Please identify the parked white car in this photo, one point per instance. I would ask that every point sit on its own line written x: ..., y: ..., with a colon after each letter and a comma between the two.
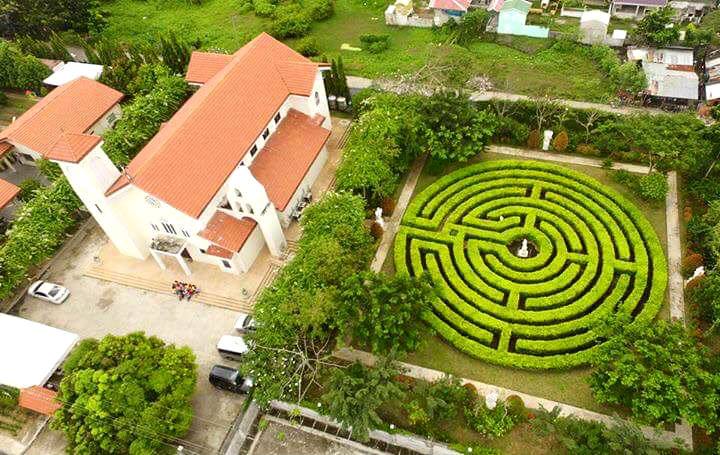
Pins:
x: 245, y: 323
x: 50, y: 292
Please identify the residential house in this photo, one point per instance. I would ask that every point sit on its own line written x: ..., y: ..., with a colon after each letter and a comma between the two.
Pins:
x: 225, y: 175
x: 513, y: 17
x: 712, y: 82
x: 405, y: 14
x: 670, y: 72
x: 691, y: 11
x: 68, y: 72
x: 450, y: 9
x: 634, y: 9
x: 593, y: 26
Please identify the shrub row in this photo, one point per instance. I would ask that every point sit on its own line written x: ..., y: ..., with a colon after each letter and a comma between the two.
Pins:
x: 39, y: 228
x: 19, y: 71
x: 598, y: 256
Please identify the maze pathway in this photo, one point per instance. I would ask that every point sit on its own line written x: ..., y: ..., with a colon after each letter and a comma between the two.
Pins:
x: 592, y: 255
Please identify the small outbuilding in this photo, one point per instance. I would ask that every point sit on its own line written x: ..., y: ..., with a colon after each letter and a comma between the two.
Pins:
x: 68, y: 72
x: 31, y: 352
x: 513, y: 17
x: 593, y: 26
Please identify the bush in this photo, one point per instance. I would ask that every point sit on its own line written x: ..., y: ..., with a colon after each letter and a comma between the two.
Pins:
x: 264, y: 8
x: 560, y: 142
x: 388, y: 206
x: 290, y: 21
x: 690, y: 263
x: 8, y: 396
x: 375, y: 43
x: 510, y: 131
x: 586, y: 149
x: 653, y: 187
x: 3, y: 99
x: 319, y: 10
x: 533, y: 140
x: 28, y: 188
x: 376, y: 230
x: 492, y: 423
x: 19, y: 71
x: 704, y: 297
x: 307, y: 46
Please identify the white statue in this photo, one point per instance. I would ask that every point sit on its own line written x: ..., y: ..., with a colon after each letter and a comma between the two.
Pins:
x: 547, y: 137
x: 491, y: 399
x: 523, y: 252
x: 379, y: 218
x: 700, y: 271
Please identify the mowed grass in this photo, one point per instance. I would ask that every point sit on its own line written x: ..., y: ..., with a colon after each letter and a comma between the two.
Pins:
x: 565, y: 386
x: 514, y: 64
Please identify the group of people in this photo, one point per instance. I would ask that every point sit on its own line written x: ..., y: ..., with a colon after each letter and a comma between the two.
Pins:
x: 184, y: 290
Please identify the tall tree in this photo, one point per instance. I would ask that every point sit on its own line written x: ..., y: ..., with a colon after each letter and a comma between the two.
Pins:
x: 126, y: 394
x: 658, y: 27
x: 39, y: 18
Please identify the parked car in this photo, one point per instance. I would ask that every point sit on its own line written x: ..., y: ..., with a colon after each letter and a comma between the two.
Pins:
x: 227, y: 378
x: 245, y: 323
x: 232, y: 347
x: 51, y: 292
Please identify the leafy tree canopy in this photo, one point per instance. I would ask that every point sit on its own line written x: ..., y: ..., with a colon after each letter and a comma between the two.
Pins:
x: 39, y: 18
x: 126, y: 394
x: 653, y: 28
x: 659, y: 372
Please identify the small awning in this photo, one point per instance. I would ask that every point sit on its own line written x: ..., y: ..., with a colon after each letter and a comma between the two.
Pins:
x: 39, y: 399
x: 228, y: 232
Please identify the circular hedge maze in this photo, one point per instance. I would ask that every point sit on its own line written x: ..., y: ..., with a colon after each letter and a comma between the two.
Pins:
x: 590, y: 254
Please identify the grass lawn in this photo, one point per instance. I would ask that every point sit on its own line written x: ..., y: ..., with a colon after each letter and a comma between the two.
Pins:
x: 515, y: 64
x: 567, y: 386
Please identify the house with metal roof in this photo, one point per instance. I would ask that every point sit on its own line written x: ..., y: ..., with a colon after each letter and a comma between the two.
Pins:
x: 512, y: 20
x: 223, y: 178
x: 634, y: 9
x: 670, y: 72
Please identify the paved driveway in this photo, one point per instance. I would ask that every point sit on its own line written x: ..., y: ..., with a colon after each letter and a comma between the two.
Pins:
x: 96, y: 308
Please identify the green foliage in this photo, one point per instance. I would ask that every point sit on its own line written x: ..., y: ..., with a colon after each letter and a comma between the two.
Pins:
x: 704, y: 298
x: 141, y: 118
x: 560, y: 142
x: 297, y: 314
x: 53, y: 49
x: 28, y: 188
x: 147, y: 78
x: 19, y: 71
x: 307, y: 46
x: 582, y: 437
x: 319, y: 10
x: 492, y: 423
x: 434, y: 404
x: 626, y: 76
x: 653, y: 187
x: 335, y: 79
x: 445, y: 232
x: 471, y: 27
x: 375, y: 43
x: 48, y: 169
x: 126, y: 394
x: 653, y: 30
x: 356, y: 392
x: 659, y: 372
x: 39, y: 19
x: 382, y: 312
x: 455, y: 130
x: 38, y: 229
x: 8, y: 396
x: 290, y: 21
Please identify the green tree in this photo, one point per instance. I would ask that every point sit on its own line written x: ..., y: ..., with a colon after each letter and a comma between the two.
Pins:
x: 39, y: 18
x: 385, y: 312
x: 704, y: 297
x: 653, y: 28
x: 659, y: 372
x: 471, y: 27
x: 455, y: 130
x: 126, y: 394
x: 355, y: 393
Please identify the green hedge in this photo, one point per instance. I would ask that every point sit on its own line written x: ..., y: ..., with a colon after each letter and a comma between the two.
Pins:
x: 598, y: 256
x: 19, y: 71
x: 38, y: 230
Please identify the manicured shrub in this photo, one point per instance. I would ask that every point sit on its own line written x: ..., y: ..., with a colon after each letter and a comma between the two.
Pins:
x: 376, y: 230
x: 586, y: 149
x: 690, y: 263
x: 533, y: 140
x: 28, y: 188
x: 319, y: 10
x: 290, y: 21
x: 560, y: 142
x: 591, y: 241
x: 307, y: 46
x: 264, y: 8
x: 375, y: 43
x: 388, y: 206
x: 653, y: 187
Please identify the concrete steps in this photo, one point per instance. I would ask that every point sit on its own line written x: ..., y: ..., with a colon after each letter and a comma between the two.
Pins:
x: 161, y: 287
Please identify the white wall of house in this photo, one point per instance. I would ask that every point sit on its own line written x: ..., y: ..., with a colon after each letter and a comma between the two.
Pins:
x: 89, y: 178
x: 250, y: 251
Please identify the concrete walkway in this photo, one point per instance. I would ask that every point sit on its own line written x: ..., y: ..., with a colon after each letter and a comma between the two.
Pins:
x: 665, y: 438
x: 676, y: 283
x: 562, y: 158
x: 392, y: 225
x: 356, y: 83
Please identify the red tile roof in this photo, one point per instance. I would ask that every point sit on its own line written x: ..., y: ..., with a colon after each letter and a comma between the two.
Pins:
x: 8, y: 192
x: 39, y: 399
x: 204, y: 65
x: 4, y: 148
x: 73, y: 147
x: 227, y: 231
x: 220, y: 252
x: 71, y: 108
x: 190, y: 159
x: 453, y: 5
x: 282, y: 164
